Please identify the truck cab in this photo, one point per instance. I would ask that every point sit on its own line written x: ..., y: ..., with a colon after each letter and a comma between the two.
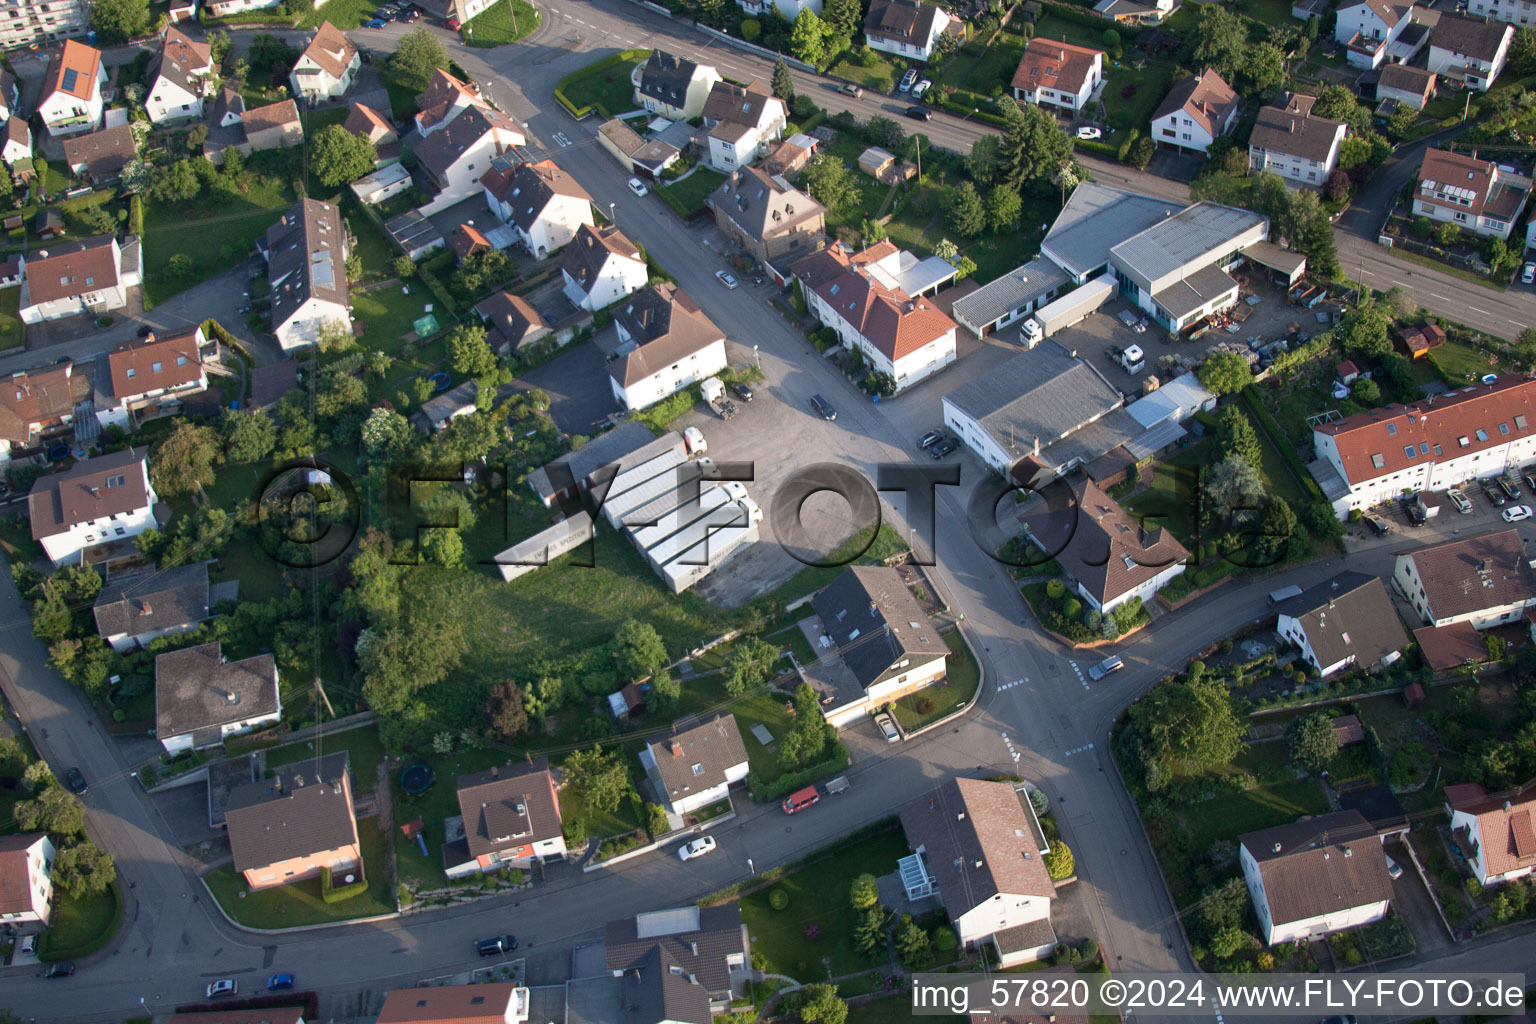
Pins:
x: 1133, y: 360
x: 1031, y: 333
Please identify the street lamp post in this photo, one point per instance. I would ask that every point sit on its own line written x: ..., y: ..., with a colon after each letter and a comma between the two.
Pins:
x: 757, y: 357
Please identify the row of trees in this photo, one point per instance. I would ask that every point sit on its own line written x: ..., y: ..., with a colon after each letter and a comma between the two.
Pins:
x: 81, y: 868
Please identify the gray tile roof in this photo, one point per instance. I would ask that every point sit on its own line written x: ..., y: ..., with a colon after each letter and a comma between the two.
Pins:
x: 1469, y: 575
x: 1096, y: 219
x: 196, y: 689
x: 1045, y: 393
x: 870, y: 614
x: 666, y: 77
x: 507, y: 806
x: 1320, y: 865
x: 1288, y: 126
x: 696, y: 939
x: 1348, y: 614
x: 136, y: 603
x: 1021, y: 285
x: 1477, y: 38
x: 653, y: 992
x: 666, y: 325
x: 304, y: 809
x: 1188, y: 236
x: 712, y: 748
x: 1192, y: 291
x: 306, y: 256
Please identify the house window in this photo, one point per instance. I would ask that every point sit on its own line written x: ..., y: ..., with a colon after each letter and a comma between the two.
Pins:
x: 698, y: 769
x: 1504, y: 429
x: 1391, y: 429
x: 130, y: 373
x: 156, y: 367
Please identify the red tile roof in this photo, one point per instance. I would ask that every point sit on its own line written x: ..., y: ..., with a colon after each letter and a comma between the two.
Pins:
x: 1055, y: 65
x: 1477, y: 417
x: 83, y: 60
x: 155, y: 362
x: 1206, y: 99
x: 1506, y: 824
x: 894, y: 322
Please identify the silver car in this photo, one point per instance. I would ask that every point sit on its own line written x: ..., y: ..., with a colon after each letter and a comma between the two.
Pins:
x: 887, y: 727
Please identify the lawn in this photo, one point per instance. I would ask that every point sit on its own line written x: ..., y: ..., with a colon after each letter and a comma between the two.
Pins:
x: 605, y: 87
x: 344, y: 14
x: 964, y: 676
x: 818, y: 894
x: 502, y: 23
x: 1272, y: 13
x: 1171, y: 498
x: 879, y: 75
x: 260, y: 576
x: 81, y: 926
x: 764, y: 708
x: 1458, y: 361
x: 1230, y: 815
x: 362, y: 744
x: 387, y: 315
x: 600, y: 823
x: 690, y: 191
x: 895, y: 1008
x: 1149, y: 80
x: 432, y: 807
x: 299, y: 905
x: 10, y: 319
x: 978, y: 73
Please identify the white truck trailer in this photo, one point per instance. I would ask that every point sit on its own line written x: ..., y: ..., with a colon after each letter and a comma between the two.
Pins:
x: 1067, y: 310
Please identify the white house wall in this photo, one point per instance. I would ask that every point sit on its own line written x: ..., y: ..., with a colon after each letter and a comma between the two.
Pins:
x: 690, y: 370
x: 1433, y: 473
x: 1005, y: 910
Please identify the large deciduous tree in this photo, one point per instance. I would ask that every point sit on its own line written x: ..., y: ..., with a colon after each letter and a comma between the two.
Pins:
x: 1310, y: 743
x: 638, y: 650
x: 337, y: 156
x: 416, y: 57
x: 117, y: 21
x: 830, y: 183
x: 183, y: 462
x: 598, y: 776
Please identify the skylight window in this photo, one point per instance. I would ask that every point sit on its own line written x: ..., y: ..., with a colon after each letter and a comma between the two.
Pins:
x: 1504, y: 429
x: 1378, y: 461
x: 1482, y: 435
x: 1423, y: 447
x: 1391, y: 429
x: 1408, y: 450
x: 1520, y: 421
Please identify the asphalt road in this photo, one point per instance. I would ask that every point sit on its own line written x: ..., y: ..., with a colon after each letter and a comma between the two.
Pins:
x: 1034, y: 704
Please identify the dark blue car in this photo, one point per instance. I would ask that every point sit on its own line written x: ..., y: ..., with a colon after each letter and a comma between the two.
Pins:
x: 375, y: 23
x: 281, y: 981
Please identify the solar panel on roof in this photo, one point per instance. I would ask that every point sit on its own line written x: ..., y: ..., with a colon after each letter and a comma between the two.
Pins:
x: 71, y: 76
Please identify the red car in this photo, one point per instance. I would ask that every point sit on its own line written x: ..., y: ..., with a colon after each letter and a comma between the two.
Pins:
x: 452, y: 23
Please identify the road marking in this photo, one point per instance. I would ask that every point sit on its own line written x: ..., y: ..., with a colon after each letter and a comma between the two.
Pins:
x: 1079, y: 750
x: 1476, y: 310
x: 1016, y: 682
x: 1442, y: 298
x: 1517, y: 323
x: 560, y: 138
x: 1011, y: 751
x: 1367, y: 273
x: 1079, y: 672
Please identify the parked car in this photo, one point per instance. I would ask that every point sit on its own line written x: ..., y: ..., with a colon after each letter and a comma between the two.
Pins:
x: 637, y: 187
x: 726, y: 279
x: 1528, y: 275
x: 1530, y: 481
x: 1508, y: 487
x: 908, y: 80
x: 887, y: 727
x: 384, y: 13
x: 29, y: 945
x: 945, y: 447
x: 76, y: 781
x: 800, y: 799
x: 1493, y: 493
x: 823, y: 407
x: 853, y: 90
x: 742, y: 391
x: 60, y: 969
x: 920, y: 88
x: 920, y: 113
x: 1413, y: 511
x: 1463, y: 505
x: 496, y: 945
x: 1105, y: 667
x: 1089, y: 132
x: 408, y: 15
x: 374, y: 23
x: 452, y: 24
x: 931, y: 438
x: 1377, y: 524
x: 281, y: 981
x: 1394, y: 869
x: 222, y: 987
x: 1519, y: 513
x: 697, y: 848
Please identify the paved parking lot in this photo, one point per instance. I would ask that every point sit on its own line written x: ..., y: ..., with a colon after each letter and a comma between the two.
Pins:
x: 576, y: 381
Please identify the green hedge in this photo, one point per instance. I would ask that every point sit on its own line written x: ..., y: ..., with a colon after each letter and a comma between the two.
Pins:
x: 336, y: 893
x: 623, y: 57
x: 1277, y: 437
x: 439, y: 291
x: 764, y: 792
x: 960, y: 106
x: 1104, y: 149
x: 136, y: 216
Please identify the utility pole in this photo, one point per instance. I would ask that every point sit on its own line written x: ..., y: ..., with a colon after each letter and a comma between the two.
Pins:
x: 320, y: 689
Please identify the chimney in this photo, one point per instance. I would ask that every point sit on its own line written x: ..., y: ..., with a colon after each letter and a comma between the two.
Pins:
x: 1507, y: 807
x: 976, y: 863
x: 677, y: 748
x: 694, y: 948
x: 1277, y: 848
x: 277, y: 783
x: 960, y: 816
x: 144, y: 607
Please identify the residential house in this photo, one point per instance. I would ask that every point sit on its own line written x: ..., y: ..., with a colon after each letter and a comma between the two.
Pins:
x: 1315, y: 876
x: 95, y: 501
x: 1367, y: 28
x: 511, y: 323
x: 1009, y: 298
x: 375, y: 127
x: 1105, y: 554
x: 39, y: 404
x: 576, y: 472
x: 455, y: 13
x: 1516, y: 12
x: 272, y: 126
x: 68, y: 278
x: 886, y: 646
x: 100, y: 156
x: 906, y: 28
x: 600, y: 267
x: 792, y: 155
x: 40, y: 22
x: 223, y: 8
x: 1196, y: 112
x: 1486, y: 580
x: 665, y: 344
x: 1058, y: 75
x: 1409, y: 86
x: 1478, y: 431
x: 436, y: 413
x: 266, y: 1015
x: 306, y: 254
x: 978, y: 848
x: 877, y: 305
x: 693, y: 769
x: 741, y: 122
x: 673, y: 87
x: 510, y: 816
x: 1287, y: 140
x: 18, y: 143
x: 495, y: 1002
x: 543, y: 205
x: 182, y: 76
x: 134, y: 608
x: 706, y: 945
x: 228, y: 108
x: 26, y: 880
x: 327, y: 67
x: 200, y: 698
x: 1472, y: 51
x: 1136, y: 12
x: 468, y: 242
x: 71, y: 99
x: 1496, y: 830
x: 295, y: 825
x: 153, y: 370
x: 767, y: 215
x: 1345, y: 622
x: 454, y: 157
x: 445, y: 99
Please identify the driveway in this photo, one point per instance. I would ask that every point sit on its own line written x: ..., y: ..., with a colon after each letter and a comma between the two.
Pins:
x: 1176, y: 166
x: 576, y: 381
x: 1414, y: 904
